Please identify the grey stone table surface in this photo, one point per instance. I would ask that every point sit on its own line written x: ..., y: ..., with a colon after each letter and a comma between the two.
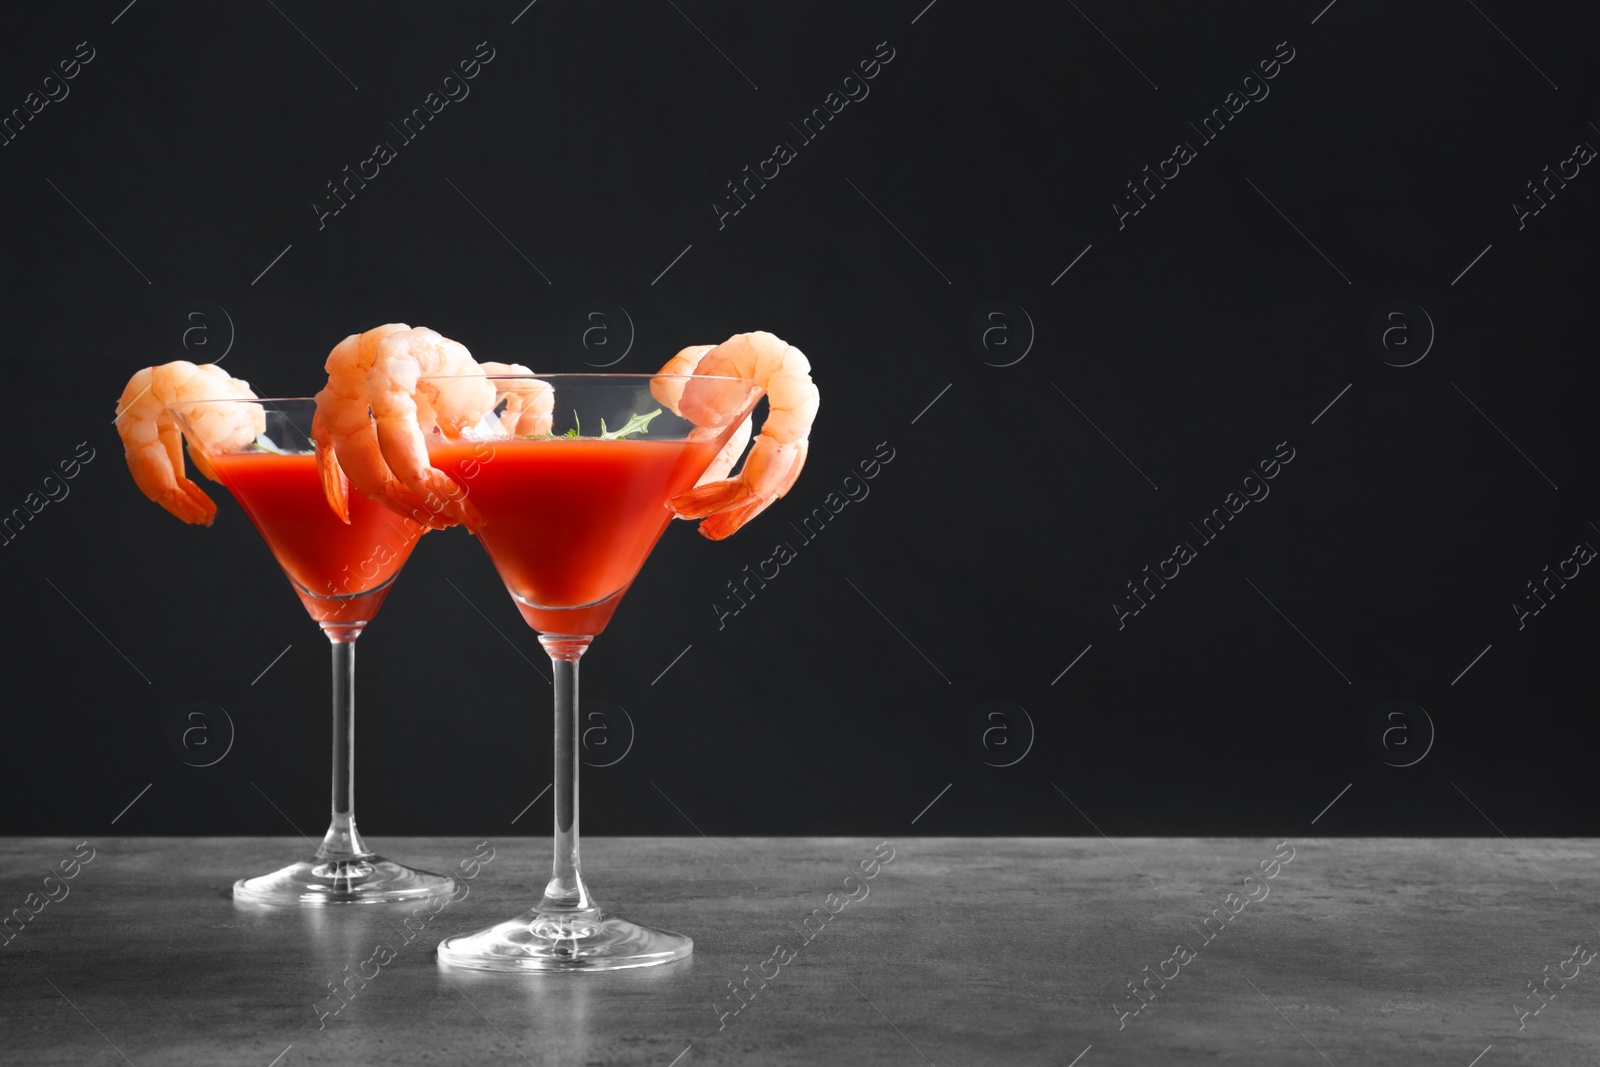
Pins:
x: 957, y: 951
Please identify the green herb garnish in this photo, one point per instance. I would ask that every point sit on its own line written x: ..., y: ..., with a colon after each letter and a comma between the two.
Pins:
x: 637, y: 424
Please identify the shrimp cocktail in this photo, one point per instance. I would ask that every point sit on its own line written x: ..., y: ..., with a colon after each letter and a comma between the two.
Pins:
x: 569, y: 480
x: 341, y: 567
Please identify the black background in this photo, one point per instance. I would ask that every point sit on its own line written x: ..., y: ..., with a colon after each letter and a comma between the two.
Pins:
x: 990, y: 550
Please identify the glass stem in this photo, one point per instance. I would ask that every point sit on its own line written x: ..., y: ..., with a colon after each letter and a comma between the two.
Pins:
x: 343, y: 841
x: 566, y: 891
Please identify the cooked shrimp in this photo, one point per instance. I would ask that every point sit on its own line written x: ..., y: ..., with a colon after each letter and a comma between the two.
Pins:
x: 530, y: 403
x: 151, y: 438
x: 404, y: 407
x: 669, y: 391
x: 779, y: 453
x: 345, y: 439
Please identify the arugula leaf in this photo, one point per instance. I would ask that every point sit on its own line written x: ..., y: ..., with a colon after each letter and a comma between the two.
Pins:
x: 637, y: 424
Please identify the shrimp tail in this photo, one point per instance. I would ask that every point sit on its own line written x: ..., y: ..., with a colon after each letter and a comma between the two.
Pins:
x: 335, y: 486
x: 769, y: 473
x: 184, y: 499
x: 708, y: 499
x: 723, y: 523
x: 196, y: 507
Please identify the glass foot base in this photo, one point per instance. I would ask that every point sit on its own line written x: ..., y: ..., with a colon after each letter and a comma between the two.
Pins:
x: 371, y: 880
x: 564, y: 941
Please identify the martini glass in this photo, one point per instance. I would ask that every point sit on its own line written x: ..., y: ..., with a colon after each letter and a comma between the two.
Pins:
x: 568, y: 519
x: 342, y: 573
